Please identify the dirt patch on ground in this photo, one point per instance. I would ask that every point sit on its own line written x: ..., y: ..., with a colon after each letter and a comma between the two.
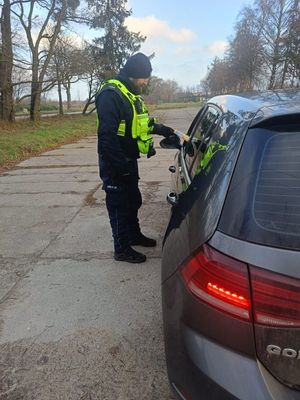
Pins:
x: 88, y: 365
x: 90, y: 200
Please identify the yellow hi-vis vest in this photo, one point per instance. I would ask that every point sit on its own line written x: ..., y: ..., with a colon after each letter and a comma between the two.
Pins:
x: 139, y: 128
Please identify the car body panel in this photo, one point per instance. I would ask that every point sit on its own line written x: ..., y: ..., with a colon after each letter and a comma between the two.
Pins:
x: 211, y: 354
x: 192, y: 210
x: 253, y: 253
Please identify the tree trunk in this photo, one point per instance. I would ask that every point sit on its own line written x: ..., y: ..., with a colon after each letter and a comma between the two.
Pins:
x: 38, y: 70
x: 35, y: 103
x: 6, y: 64
x: 61, y: 108
x: 36, y: 86
x: 284, y: 73
x: 276, y: 54
x: 273, y: 76
x: 86, y: 106
x: 90, y: 96
x: 68, y: 92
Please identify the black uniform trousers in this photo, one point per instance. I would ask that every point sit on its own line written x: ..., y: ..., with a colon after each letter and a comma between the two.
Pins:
x: 123, y: 200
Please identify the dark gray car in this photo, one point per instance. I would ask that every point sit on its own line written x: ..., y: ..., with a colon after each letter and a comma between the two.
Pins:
x: 231, y: 260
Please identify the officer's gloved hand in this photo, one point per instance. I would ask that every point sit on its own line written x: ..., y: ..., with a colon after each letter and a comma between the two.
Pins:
x: 151, y: 152
x: 162, y: 130
x: 151, y: 122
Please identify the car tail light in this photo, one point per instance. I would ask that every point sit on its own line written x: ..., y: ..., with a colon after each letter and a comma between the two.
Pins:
x: 219, y: 280
x: 276, y: 298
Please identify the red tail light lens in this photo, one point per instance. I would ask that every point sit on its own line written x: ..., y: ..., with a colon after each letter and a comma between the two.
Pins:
x: 276, y: 298
x: 220, y: 281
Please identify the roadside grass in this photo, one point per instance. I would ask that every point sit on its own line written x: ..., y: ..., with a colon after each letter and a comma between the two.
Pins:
x: 24, y: 139
x: 167, y: 106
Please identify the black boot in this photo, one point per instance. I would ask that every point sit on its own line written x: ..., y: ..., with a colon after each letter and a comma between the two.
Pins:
x: 142, y: 240
x: 130, y: 255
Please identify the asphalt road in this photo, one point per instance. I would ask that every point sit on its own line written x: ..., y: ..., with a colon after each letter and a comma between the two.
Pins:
x: 74, y: 323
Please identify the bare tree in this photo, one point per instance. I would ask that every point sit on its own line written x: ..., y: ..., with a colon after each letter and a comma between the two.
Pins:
x: 21, y: 84
x: 291, y: 42
x: 161, y: 90
x: 204, y: 87
x: 245, y: 53
x: 264, y: 51
x: 272, y: 18
x: 218, y: 76
x: 41, y: 34
x: 66, y: 66
x: 94, y: 72
x: 6, y: 64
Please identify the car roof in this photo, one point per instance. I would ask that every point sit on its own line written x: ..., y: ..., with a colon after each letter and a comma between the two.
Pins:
x: 263, y: 105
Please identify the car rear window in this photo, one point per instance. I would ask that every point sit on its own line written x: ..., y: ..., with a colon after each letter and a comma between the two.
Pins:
x: 263, y: 201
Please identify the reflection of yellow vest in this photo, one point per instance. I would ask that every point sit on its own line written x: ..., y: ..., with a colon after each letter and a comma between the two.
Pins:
x: 211, y: 150
x: 139, y: 128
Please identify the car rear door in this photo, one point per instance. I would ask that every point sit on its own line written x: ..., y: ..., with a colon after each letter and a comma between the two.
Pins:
x: 204, y: 186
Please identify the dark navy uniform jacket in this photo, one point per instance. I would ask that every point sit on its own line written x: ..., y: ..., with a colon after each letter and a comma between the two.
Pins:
x: 118, y: 153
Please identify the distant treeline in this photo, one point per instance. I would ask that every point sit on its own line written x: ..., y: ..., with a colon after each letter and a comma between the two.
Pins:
x: 264, y: 52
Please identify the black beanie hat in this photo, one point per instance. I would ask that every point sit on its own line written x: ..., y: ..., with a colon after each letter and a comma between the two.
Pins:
x: 138, y: 66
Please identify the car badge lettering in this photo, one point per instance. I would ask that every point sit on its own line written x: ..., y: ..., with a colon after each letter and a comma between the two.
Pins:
x: 286, y: 352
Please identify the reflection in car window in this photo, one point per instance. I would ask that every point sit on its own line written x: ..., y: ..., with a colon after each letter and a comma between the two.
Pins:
x: 208, y: 149
x: 217, y: 141
x: 201, y: 133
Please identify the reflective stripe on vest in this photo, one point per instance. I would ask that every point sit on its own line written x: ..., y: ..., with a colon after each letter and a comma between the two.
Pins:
x: 139, y: 127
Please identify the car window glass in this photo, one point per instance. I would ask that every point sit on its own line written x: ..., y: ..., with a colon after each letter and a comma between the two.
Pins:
x: 211, y: 135
x: 217, y: 142
x: 266, y: 209
x: 195, y: 120
x: 201, y: 132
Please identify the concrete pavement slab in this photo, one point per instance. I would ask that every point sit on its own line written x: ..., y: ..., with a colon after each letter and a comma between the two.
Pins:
x: 60, y: 161
x: 25, y: 231
x: 39, y: 178
x: 92, y: 364
x: 93, y: 239
x: 85, y: 330
x: 19, y: 172
x: 75, y: 324
x: 11, y: 271
x: 61, y: 296
x: 46, y: 199
x: 155, y: 191
x: 46, y: 187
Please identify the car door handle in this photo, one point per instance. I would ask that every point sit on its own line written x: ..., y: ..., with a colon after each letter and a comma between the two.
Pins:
x: 172, y: 168
x: 172, y: 198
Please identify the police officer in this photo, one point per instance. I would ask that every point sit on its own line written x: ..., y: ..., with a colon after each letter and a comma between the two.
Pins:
x: 124, y: 132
